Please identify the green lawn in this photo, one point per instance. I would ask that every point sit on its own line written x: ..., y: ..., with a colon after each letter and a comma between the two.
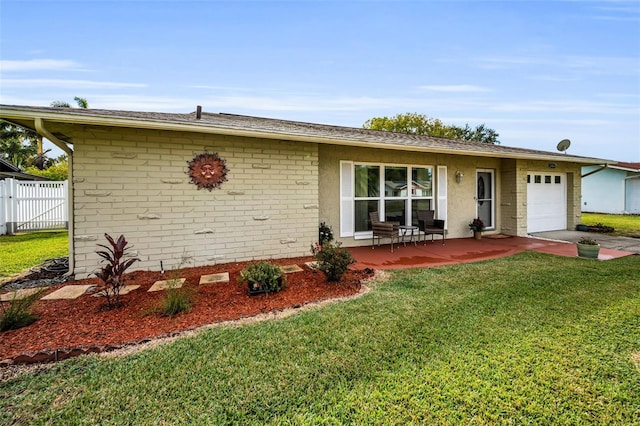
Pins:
x: 624, y: 225
x: 530, y: 339
x: 19, y: 252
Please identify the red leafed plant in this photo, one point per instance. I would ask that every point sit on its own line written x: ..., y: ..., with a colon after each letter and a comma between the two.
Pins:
x: 117, y: 261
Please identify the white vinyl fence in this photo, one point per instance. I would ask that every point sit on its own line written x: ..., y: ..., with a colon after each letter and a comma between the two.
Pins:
x: 33, y: 206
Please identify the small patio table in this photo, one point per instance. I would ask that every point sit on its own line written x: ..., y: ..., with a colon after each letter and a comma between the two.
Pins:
x: 404, y: 230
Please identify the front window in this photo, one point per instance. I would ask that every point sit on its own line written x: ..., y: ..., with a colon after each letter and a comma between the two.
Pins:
x: 367, y: 181
x: 388, y: 190
x: 367, y: 193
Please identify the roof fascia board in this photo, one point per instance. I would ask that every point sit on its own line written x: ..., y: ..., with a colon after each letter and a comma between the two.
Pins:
x: 150, y: 124
x: 626, y: 169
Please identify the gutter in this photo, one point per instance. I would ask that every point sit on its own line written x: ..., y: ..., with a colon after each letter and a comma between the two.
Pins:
x: 592, y: 172
x: 42, y: 130
x: 206, y: 128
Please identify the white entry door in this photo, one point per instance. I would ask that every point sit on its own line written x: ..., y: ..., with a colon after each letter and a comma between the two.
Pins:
x: 485, y: 190
x: 546, y: 201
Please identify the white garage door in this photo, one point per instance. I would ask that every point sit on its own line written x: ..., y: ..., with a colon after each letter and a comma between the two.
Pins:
x: 546, y: 201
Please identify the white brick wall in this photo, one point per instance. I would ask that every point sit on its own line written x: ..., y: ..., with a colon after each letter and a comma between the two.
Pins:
x: 134, y: 182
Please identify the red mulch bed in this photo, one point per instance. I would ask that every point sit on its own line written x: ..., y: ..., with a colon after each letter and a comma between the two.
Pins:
x: 84, y: 322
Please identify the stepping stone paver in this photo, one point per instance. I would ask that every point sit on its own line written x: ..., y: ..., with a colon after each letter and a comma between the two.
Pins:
x: 19, y: 294
x: 128, y: 289
x: 124, y: 290
x: 312, y: 265
x: 222, y: 277
x: 166, y: 284
x: 68, y: 292
x: 288, y: 269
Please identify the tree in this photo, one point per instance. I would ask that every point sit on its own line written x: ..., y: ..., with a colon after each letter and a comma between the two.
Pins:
x: 18, y: 145
x: 420, y: 124
x: 59, y: 170
x: 81, y: 102
x: 23, y: 147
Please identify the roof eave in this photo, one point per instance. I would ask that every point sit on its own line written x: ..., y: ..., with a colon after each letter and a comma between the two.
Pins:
x: 204, y: 127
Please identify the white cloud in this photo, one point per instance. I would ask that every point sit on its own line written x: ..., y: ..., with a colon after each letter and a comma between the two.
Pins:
x: 300, y: 103
x: 598, y: 65
x: 39, y: 65
x: 566, y: 106
x: 143, y: 103
x: 537, y: 122
x: 65, y: 84
x: 460, y: 88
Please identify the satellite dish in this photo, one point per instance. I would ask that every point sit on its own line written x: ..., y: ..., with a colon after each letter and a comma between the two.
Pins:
x: 564, y: 145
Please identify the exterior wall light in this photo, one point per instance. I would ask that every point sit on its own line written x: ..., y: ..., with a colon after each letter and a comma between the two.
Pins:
x: 459, y: 176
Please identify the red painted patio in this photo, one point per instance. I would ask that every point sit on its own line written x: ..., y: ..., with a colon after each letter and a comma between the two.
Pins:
x: 462, y: 250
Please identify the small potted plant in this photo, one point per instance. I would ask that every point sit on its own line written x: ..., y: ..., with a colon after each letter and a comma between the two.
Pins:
x: 588, y: 248
x: 263, y: 277
x: 477, y: 226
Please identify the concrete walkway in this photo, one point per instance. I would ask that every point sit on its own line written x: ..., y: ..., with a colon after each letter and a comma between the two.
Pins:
x: 607, y: 241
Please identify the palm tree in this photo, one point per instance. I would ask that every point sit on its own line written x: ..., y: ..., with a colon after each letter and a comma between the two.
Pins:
x: 12, y: 144
x: 41, y: 157
x: 81, y: 102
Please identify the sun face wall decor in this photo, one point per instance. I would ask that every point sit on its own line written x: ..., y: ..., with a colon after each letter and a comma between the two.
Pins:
x: 207, y: 170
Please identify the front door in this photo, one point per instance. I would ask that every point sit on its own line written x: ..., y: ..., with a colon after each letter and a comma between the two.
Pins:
x: 485, y: 190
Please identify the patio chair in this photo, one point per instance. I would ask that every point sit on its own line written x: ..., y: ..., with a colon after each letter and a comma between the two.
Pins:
x: 384, y: 230
x: 429, y: 225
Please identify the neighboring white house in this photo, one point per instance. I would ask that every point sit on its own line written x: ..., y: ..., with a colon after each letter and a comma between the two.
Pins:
x: 612, y: 189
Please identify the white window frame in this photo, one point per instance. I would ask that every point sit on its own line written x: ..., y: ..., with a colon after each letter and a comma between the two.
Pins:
x: 348, y: 199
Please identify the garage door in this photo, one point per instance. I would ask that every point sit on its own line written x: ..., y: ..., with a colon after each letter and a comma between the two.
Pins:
x: 546, y: 201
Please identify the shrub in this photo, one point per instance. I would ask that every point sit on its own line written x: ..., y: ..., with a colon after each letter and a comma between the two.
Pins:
x: 112, y: 274
x: 263, y: 277
x: 325, y: 233
x: 587, y: 241
x: 333, y: 260
x: 18, y: 312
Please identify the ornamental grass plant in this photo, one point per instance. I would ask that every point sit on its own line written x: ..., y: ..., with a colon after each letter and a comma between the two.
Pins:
x: 16, y: 313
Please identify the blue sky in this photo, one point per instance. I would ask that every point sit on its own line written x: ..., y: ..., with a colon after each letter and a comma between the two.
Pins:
x: 536, y: 72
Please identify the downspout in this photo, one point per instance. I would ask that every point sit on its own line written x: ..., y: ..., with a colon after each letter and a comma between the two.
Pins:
x: 39, y: 124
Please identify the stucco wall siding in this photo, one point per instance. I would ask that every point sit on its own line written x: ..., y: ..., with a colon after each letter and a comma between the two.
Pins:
x: 133, y: 182
x: 510, y: 187
x: 604, y: 191
x: 461, y: 203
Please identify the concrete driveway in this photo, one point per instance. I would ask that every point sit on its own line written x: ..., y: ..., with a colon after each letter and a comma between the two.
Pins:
x: 607, y: 241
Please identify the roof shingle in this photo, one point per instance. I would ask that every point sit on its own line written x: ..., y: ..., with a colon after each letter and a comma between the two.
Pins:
x: 287, y: 130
